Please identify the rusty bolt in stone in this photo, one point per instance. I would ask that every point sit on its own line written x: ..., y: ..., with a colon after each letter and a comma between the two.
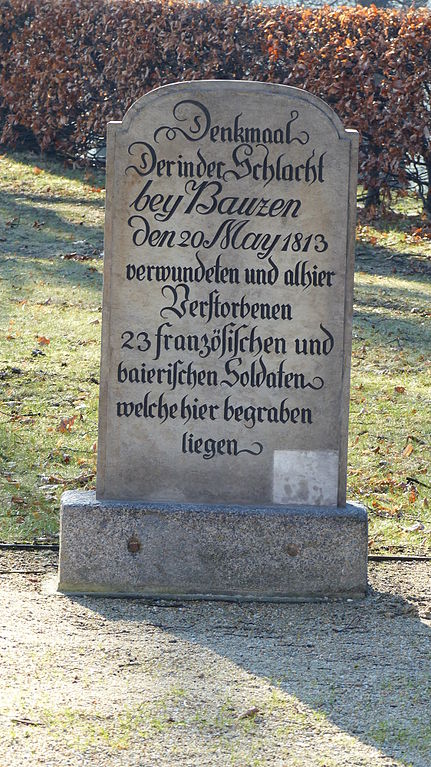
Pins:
x: 133, y: 544
x: 292, y: 550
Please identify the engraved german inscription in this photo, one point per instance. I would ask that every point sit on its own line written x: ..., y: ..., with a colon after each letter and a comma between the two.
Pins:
x: 226, y: 280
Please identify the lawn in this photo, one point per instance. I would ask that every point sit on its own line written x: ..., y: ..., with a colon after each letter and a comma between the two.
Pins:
x: 51, y: 245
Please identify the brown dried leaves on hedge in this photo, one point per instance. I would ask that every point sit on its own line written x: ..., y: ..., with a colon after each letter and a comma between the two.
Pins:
x: 69, y: 66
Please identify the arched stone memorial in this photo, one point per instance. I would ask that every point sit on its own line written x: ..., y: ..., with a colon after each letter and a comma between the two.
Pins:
x: 226, y: 342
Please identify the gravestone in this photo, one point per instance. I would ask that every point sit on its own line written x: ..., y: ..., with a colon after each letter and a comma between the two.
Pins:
x: 226, y: 341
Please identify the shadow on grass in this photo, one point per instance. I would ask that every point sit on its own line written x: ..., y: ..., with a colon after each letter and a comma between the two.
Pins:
x: 396, y: 326
x: 363, y: 665
x: 25, y: 272
x: 55, y: 167
x: 383, y: 329
x: 391, y: 312
x: 378, y: 260
x: 39, y: 230
x: 54, y: 199
x: 398, y: 220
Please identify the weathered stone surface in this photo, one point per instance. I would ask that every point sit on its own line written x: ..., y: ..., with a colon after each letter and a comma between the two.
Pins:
x: 226, y: 341
x: 228, y: 297
x: 211, y: 552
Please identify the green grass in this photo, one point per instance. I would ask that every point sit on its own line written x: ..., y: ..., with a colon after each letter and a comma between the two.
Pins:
x: 51, y: 239
x: 50, y: 285
x: 390, y: 439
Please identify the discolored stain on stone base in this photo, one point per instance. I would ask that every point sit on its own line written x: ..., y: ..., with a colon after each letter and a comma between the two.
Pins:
x: 279, y: 553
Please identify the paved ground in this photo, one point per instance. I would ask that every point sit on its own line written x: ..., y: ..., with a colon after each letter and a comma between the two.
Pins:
x: 132, y: 683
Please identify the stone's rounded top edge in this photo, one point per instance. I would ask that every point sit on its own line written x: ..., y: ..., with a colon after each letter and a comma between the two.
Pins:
x: 87, y: 498
x: 256, y: 85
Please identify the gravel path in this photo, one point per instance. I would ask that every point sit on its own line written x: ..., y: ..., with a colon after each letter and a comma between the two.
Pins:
x: 132, y: 683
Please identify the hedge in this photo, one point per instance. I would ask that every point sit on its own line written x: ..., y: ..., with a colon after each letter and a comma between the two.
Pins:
x: 69, y: 66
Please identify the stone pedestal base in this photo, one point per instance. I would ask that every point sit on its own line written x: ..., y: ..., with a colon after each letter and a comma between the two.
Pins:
x: 184, y: 551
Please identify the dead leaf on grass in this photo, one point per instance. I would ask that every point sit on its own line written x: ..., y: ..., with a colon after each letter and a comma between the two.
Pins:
x: 75, y: 257
x: 414, y: 528
x: 408, y: 450
x: 380, y: 508
x: 26, y: 721
x: 43, y: 341
x: 52, y: 481
x: 66, y: 424
x: 249, y: 714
